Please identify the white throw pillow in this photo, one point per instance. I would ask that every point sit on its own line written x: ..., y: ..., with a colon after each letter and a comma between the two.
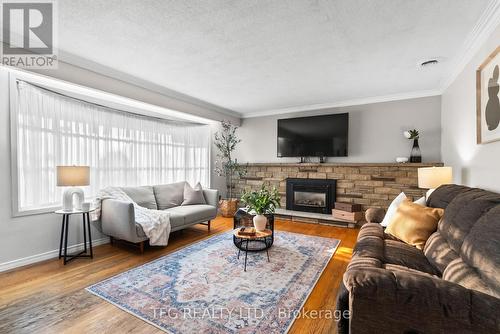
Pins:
x: 394, y: 206
x: 421, y: 201
x: 392, y: 209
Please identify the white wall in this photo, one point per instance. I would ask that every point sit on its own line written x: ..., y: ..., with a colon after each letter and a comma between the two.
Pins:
x: 375, y: 132
x: 474, y: 165
x: 30, y: 238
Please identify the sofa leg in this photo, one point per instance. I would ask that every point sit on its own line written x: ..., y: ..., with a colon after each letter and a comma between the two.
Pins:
x: 141, y: 247
x: 208, y: 225
x: 111, y: 241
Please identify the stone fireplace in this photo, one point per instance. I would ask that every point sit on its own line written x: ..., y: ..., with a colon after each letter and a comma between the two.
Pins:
x: 368, y: 184
x: 310, y: 195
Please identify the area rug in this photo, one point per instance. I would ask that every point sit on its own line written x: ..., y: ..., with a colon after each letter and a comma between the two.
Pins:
x: 202, y: 288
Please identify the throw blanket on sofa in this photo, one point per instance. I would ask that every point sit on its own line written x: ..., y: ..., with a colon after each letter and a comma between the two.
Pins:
x: 155, y: 223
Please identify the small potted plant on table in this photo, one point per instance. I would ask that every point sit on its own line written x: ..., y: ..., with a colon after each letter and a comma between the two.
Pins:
x: 261, y: 202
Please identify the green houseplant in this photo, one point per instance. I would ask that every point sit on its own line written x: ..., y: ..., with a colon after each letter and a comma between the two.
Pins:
x: 226, y: 140
x: 261, y: 202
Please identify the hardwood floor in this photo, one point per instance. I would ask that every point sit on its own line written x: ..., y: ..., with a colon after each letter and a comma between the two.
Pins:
x: 50, y: 298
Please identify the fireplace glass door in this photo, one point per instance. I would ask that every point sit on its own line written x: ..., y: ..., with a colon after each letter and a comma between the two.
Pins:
x: 311, y: 199
x: 310, y: 195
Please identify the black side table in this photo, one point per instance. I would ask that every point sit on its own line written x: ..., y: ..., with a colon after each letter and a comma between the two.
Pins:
x: 244, y: 219
x: 64, y: 235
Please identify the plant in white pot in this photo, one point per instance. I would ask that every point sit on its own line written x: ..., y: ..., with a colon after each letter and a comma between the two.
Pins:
x: 225, y: 166
x: 261, y: 202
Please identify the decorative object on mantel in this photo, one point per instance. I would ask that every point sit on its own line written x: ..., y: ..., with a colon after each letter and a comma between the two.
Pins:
x: 416, y: 155
x: 401, y: 160
x: 72, y: 177
x: 261, y: 202
x: 487, y: 102
x: 433, y: 177
x: 226, y: 141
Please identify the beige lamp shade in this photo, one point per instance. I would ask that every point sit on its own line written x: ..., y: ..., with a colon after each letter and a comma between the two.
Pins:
x: 433, y: 177
x: 73, y: 176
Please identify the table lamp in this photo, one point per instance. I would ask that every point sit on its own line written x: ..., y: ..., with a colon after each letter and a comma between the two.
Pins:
x: 72, y: 177
x: 432, y: 177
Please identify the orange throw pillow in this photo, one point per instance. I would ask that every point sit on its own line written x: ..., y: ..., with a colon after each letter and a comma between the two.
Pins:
x: 413, y: 223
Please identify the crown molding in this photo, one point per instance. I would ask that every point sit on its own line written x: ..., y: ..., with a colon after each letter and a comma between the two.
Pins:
x: 345, y: 103
x: 483, y: 29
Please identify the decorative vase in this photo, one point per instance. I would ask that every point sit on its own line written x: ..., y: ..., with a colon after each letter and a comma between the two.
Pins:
x: 416, y: 155
x: 228, y: 207
x: 260, y: 222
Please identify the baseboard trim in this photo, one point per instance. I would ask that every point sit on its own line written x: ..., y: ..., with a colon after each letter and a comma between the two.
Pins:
x: 46, y: 256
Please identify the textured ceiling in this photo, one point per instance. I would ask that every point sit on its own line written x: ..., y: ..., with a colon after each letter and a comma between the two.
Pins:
x: 251, y: 56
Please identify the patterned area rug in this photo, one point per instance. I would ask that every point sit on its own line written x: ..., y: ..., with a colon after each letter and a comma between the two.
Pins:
x: 202, y: 288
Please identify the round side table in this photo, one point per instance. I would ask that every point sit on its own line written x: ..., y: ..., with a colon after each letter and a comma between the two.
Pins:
x: 244, y: 219
x: 245, y: 239
x: 64, y: 235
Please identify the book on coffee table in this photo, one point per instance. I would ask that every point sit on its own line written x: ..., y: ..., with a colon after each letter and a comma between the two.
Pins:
x: 247, y: 231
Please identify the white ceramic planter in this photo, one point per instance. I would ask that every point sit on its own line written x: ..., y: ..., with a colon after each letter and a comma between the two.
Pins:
x: 259, y: 222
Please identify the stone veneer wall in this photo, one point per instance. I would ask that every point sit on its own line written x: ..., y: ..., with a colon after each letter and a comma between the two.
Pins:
x: 368, y: 184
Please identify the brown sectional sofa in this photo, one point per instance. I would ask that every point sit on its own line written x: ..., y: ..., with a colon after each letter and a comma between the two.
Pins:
x: 452, y: 286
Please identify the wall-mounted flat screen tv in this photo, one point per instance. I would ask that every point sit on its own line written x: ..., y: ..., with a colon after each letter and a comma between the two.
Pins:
x: 315, y: 136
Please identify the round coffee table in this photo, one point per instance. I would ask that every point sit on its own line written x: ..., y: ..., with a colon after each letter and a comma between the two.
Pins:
x: 243, y: 219
x: 245, y: 239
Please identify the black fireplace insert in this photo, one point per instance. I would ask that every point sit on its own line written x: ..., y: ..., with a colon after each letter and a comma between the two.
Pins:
x: 311, y: 195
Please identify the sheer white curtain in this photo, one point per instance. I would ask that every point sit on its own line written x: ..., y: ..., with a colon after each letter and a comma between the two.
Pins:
x: 121, y: 148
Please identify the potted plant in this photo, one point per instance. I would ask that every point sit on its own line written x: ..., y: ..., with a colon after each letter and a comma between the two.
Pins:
x: 416, y: 155
x: 225, y: 166
x: 261, y: 202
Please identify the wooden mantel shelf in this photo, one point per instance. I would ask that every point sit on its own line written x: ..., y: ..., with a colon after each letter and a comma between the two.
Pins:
x: 346, y: 164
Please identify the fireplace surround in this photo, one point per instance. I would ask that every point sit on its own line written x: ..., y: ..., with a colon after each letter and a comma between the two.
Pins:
x: 310, y: 195
x: 367, y: 184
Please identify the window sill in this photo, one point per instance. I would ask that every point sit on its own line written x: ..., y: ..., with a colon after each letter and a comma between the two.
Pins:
x: 32, y: 212
x: 42, y: 210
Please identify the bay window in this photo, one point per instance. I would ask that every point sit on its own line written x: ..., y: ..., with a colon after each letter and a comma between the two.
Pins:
x: 121, y: 148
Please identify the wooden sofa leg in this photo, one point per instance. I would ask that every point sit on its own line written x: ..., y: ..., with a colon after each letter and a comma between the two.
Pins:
x: 208, y: 225
x: 111, y: 241
x: 141, y: 247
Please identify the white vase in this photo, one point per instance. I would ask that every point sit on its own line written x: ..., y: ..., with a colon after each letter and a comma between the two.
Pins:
x: 260, y: 222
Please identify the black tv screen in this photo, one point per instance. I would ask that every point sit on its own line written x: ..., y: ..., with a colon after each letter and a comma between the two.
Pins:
x: 316, y: 136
